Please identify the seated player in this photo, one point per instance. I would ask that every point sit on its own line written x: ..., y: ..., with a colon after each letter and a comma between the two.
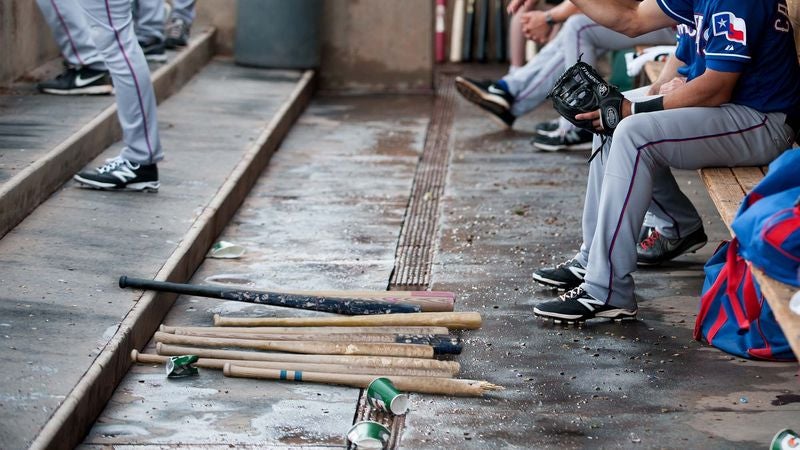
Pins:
x: 739, y: 106
x: 526, y: 88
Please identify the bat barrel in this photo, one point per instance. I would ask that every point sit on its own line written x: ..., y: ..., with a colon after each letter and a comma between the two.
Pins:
x: 309, y: 302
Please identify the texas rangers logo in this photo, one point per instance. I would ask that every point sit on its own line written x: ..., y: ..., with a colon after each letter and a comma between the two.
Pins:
x: 730, y: 26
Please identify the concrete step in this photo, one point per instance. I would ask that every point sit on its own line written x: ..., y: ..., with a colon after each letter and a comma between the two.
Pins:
x: 68, y: 329
x: 45, y: 139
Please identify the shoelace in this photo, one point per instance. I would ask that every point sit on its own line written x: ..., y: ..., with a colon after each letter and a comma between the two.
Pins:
x: 564, y: 264
x: 572, y: 294
x: 651, y: 240
x: 114, y: 163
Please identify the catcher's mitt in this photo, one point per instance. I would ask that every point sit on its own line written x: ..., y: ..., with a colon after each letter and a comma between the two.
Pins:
x: 580, y: 90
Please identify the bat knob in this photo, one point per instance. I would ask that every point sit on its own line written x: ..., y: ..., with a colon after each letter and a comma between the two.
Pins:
x: 123, y: 282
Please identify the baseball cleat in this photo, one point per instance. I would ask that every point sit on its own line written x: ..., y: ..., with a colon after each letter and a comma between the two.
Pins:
x: 565, y: 276
x: 154, y: 49
x: 78, y: 81
x: 574, y: 139
x: 657, y: 248
x: 578, y: 306
x: 177, y: 33
x: 490, y: 97
x: 119, y: 174
x: 549, y: 128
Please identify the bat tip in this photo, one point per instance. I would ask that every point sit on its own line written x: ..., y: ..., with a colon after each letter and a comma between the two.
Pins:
x: 123, y: 282
x: 134, y: 355
x: 158, y: 347
x: 216, y: 319
x: 226, y: 369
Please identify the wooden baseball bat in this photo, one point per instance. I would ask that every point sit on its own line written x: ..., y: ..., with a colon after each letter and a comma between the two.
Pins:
x: 457, y: 31
x: 482, y: 11
x: 347, y: 306
x: 314, y: 330
x: 218, y: 364
x: 439, y: 29
x: 442, y: 344
x: 422, y: 385
x: 469, y: 24
x: 453, y: 320
x: 318, y: 348
x: 361, y: 361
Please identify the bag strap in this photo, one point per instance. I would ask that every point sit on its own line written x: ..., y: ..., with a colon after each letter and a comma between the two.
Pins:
x: 752, y: 304
x: 708, y: 298
x: 736, y: 275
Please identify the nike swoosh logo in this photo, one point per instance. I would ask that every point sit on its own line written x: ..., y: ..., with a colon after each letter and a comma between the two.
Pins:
x: 82, y: 82
x: 494, y: 90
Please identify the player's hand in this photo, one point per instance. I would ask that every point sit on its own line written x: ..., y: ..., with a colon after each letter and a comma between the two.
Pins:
x: 535, y: 27
x: 671, y: 85
x: 516, y: 5
x: 594, y: 116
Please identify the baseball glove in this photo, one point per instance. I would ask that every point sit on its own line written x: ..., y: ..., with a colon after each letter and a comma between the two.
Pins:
x: 580, y: 90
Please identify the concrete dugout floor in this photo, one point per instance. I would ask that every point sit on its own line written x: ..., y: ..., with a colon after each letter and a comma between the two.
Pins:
x: 327, y: 214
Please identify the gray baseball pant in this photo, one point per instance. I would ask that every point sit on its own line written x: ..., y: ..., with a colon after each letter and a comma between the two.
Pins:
x: 72, y: 34
x: 634, y: 167
x: 150, y: 17
x: 183, y: 9
x: 112, y: 28
x: 580, y: 35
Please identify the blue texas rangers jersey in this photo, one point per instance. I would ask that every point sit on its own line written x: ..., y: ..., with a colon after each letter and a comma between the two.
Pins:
x: 753, y: 37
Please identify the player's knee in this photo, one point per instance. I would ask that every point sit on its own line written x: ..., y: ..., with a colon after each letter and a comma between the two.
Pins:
x: 574, y: 23
x: 635, y: 129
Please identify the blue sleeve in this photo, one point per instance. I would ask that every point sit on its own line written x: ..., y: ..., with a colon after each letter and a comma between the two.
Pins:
x: 734, y: 26
x: 681, y: 11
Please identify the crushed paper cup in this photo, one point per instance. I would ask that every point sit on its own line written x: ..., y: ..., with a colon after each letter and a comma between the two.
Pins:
x: 794, y: 303
x: 226, y: 250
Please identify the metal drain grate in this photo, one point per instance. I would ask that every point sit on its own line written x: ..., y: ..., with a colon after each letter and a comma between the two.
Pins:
x: 414, y: 255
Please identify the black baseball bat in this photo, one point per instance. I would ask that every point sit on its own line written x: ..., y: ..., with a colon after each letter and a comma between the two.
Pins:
x: 442, y: 344
x: 347, y: 306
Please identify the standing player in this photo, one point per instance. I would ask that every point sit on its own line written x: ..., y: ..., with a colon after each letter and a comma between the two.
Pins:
x: 135, y: 167
x: 740, y: 106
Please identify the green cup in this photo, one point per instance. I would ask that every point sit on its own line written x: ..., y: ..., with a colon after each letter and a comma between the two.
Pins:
x: 786, y: 439
x: 381, y: 394
x: 369, y: 435
x: 181, y: 366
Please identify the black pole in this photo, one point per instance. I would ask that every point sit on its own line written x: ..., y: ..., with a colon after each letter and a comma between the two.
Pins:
x: 347, y: 306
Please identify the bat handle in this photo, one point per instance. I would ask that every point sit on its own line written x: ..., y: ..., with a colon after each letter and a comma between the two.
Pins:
x: 123, y: 281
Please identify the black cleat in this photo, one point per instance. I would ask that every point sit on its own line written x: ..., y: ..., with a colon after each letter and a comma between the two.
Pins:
x: 489, y: 96
x: 548, y: 128
x: 564, y: 276
x: 78, y: 81
x: 177, y: 33
x: 154, y: 49
x: 578, y: 306
x: 120, y: 174
x: 574, y: 139
x: 656, y: 248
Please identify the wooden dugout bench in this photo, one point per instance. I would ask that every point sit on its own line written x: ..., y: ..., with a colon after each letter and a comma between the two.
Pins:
x: 727, y: 187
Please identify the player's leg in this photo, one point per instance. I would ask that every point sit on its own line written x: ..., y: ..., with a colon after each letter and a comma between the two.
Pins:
x: 569, y: 274
x: 150, y: 16
x: 85, y: 71
x: 676, y: 226
x: 179, y: 23
x: 530, y: 84
x: 686, y: 138
x: 518, y: 92
x: 135, y: 168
